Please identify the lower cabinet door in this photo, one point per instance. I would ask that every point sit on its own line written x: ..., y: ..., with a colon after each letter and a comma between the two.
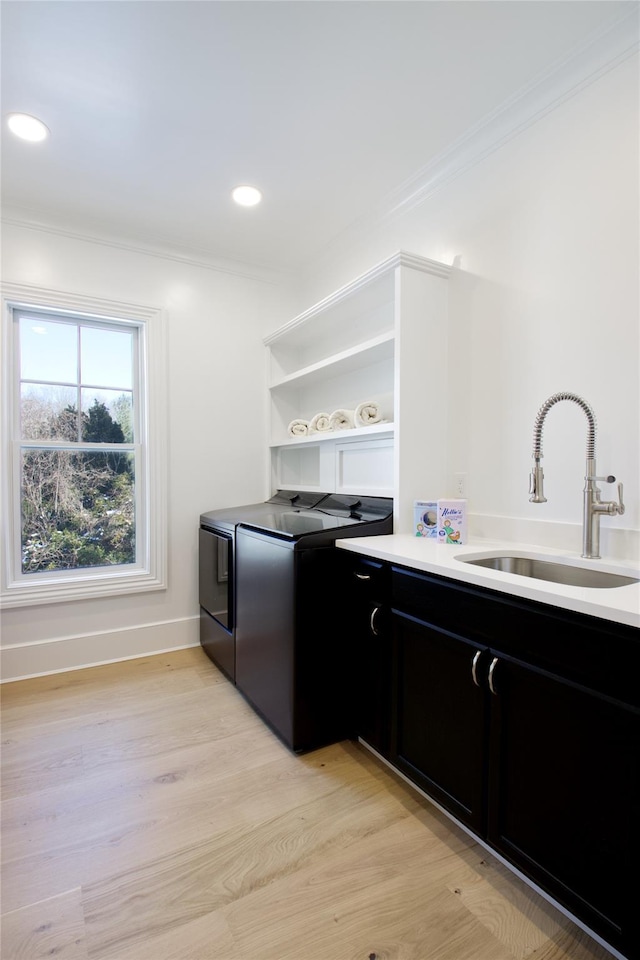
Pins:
x: 563, y: 794
x: 439, y: 716
x: 373, y: 686
x: 365, y: 625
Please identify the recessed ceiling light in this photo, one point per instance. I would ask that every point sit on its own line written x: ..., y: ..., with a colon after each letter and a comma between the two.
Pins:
x: 247, y: 196
x: 26, y: 127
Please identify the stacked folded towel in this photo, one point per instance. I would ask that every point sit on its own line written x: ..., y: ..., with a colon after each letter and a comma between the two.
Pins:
x: 298, y: 428
x: 367, y: 413
x: 319, y: 423
x: 364, y: 415
x: 341, y: 420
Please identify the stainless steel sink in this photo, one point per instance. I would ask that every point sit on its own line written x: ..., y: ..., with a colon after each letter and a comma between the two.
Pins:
x: 555, y: 572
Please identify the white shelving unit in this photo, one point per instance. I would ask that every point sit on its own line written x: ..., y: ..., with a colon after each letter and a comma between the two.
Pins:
x: 382, y: 337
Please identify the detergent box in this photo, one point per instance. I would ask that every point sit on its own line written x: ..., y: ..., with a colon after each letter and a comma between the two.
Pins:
x: 452, y: 521
x: 425, y: 518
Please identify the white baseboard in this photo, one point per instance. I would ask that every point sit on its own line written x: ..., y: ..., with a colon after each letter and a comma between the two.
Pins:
x: 39, y: 658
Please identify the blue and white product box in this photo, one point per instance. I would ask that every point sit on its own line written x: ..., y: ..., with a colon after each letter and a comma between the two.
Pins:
x: 452, y: 521
x: 425, y: 518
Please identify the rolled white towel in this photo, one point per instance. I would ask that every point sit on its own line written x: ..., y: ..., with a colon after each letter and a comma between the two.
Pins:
x: 367, y: 413
x: 319, y: 423
x: 298, y: 428
x: 341, y: 420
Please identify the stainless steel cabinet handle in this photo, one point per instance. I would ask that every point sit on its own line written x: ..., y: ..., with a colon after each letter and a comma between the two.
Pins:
x: 374, y: 630
x: 363, y: 576
x: 491, y: 670
x: 474, y: 668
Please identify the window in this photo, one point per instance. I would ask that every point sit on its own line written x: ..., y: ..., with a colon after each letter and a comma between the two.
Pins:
x: 83, y: 487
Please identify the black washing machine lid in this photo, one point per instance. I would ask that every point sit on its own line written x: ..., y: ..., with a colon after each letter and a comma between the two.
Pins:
x: 334, y: 512
x: 299, y: 499
x: 356, y: 508
x: 292, y: 524
x: 228, y: 518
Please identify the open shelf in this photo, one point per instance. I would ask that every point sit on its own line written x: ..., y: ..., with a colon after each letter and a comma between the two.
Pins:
x: 372, y: 340
x: 342, y: 363
x: 329, y: 436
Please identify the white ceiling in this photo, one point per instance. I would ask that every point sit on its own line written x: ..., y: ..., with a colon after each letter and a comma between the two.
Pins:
x: 158, y: 108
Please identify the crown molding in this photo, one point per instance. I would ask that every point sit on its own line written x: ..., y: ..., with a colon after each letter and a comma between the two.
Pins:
x: 602, y: 52
x: 567, y: 77
x: 264, y: 273
x: 400, y: 259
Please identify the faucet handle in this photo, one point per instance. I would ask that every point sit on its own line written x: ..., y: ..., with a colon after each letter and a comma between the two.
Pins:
x: 610, y: 506
x: 614, y: 508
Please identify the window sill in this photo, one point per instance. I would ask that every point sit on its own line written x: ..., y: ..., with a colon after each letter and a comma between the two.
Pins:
x: 91, y: 586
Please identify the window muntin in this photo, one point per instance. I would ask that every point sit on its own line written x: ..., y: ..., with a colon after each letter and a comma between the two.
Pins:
x: 77, y: 509
x: 118, y: 361
x: 67, y: 369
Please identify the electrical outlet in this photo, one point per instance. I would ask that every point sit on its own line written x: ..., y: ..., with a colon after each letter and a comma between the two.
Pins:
x: 460, y: 484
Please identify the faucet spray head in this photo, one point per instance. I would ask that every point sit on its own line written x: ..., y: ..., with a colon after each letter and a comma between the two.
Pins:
x: 536, y: 486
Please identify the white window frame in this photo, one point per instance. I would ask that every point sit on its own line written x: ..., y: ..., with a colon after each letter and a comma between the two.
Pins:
x: 149, y: 572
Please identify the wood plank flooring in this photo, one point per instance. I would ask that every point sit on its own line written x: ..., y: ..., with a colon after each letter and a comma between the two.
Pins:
x: 149, y: 814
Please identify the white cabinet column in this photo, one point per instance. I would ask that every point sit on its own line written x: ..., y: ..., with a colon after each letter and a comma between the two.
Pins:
x: 421, y: 378
x: 382, y: 337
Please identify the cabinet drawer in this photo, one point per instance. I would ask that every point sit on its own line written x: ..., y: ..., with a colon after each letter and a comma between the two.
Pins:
x: 597, y: 654
x: 443, y: 603
x: 369, y: 579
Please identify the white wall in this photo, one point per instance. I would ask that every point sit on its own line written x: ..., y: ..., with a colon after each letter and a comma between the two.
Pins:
x: 544, y: 297
x: 215, y: 433
x: 544, y: 234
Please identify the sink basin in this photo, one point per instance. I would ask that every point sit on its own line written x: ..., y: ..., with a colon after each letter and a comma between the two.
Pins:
x: 555, y: 572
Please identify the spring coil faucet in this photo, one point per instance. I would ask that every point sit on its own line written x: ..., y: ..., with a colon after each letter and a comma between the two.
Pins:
x: 593, y: 507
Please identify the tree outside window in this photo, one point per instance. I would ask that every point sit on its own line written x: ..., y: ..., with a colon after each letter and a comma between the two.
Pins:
x: 77, y: 438
x: 83, y: 430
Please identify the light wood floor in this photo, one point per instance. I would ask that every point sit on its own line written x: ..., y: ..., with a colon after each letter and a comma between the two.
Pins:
x: 148, y: 814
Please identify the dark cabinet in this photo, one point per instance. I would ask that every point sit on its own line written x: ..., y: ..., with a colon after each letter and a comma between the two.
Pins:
x: 368, y: 636
x: 523, y: 721
x: 563, y: 784
x: 439, y: 716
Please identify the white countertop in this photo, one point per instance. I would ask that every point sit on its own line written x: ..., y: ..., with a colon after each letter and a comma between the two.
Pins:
x: 619, y: 604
